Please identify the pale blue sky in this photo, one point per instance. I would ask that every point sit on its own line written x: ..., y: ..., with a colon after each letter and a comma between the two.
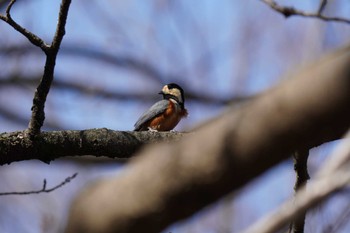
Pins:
x: 217, y: 48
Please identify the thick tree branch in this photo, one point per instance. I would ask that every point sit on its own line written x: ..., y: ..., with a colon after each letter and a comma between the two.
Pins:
x: 181, y: 178
x: 290, y: 11
x: 44, y: 189
x: 17, y: 146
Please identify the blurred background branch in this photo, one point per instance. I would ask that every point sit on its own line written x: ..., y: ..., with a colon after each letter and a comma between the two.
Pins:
x: 328, y: 181
x: 295, y: 117
x: 291, y: 11
x: 44, y: 189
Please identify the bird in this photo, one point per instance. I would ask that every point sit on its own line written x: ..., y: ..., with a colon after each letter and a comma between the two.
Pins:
x: 165, y: 114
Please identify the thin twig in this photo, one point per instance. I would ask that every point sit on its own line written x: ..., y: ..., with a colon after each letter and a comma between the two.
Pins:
x: 302, y: 175
x: 322, y: 6
x: 38, y: 114
x: 289, y: 11
x: 331, y: 178
x: 317, y: 191
x: 43, y: 189
x: 60, y: 29
x: 34, y: 39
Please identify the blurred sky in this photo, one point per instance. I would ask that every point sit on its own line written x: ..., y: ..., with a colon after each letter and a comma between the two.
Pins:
x: 114, y: 59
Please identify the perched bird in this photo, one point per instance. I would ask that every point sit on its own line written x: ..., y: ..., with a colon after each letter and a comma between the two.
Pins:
x: 166, y: 113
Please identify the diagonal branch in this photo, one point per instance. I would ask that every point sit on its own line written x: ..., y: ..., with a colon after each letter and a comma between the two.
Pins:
x: 329, y: 180
x: 85, y: 89
x: 322, y: 6
x: 222, y: 156
x: 43, y: 189
x: 60, y: 29
x: 34, y: 39
x: 290, y: 11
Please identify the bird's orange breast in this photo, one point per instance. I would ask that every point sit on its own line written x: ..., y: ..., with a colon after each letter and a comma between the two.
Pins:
x: 168, y: 119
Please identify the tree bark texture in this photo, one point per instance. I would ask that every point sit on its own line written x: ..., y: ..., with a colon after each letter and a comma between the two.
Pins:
x: 47, y: 146
x: 169, y: 182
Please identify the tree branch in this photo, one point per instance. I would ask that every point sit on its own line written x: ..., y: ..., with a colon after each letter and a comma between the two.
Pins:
x: 43, y: 189
x: 128, y: 62
x: 322, y: 6
x: 61, y: 24
x: 181, y: 178
x: 38, y: 114
x: 84, y: 89
x: 290, y: 11
x: 329, y: 180
x: 34, y: 39
x: 17, y: 146
x: 302, y: 175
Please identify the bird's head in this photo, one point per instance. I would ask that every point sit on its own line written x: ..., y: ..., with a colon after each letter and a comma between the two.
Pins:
x: 175, y: 92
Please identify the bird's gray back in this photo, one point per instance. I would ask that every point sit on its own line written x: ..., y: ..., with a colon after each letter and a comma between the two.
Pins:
x: 152, y: 112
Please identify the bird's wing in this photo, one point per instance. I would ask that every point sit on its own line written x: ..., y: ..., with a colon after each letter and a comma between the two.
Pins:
x: 153, y: 111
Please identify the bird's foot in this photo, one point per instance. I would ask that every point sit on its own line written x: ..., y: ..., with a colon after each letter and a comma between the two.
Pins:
x: 152, y: 130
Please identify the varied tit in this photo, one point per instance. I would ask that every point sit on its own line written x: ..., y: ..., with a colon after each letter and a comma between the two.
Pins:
x: 165, y: 114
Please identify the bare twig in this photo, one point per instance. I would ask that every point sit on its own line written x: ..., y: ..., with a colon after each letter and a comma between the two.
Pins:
x: 332, y: 177
x: 300, y: 167
x: 43, y: 189
x: 322, y: 6
x: 60, y: 30
x: 316, y: 192
x: 289, y: 11
x: 85, y: 89
x: 38, y: 114
x: 128, y: 62
x: 34, y: 39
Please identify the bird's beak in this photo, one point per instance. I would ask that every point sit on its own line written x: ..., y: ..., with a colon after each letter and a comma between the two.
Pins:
x: 161, y: 93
